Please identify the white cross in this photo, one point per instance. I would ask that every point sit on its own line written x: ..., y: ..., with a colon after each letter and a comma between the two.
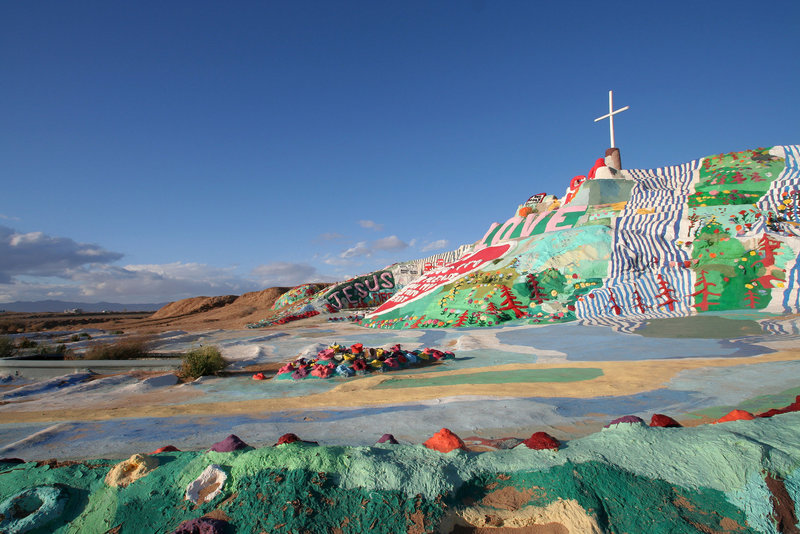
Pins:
x: 610, y: 115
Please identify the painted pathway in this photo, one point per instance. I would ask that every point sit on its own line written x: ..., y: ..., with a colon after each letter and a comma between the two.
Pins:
x: 565, y: 379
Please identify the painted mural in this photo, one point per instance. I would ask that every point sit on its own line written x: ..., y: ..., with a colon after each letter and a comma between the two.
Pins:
x: 361, y: 292
x: 719, y: 233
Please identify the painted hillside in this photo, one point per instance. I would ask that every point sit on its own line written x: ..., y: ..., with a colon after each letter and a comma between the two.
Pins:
x: 717, y: 233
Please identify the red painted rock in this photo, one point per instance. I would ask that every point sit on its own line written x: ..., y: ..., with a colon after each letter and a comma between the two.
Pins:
x: 445, y: 441
x: 736, y: 415
x: 793, y: 407
x: 287, y: 438
x: 259, y: 376
x: 166, y: 448
x: 541, y: 440
x: 292, y: 438
x: 662, y: 420
x: 631, y: 419
x: 229, y: 444
x: 387, y: 438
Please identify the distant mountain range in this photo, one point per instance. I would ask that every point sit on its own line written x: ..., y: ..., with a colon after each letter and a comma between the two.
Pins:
x: 60, y: 306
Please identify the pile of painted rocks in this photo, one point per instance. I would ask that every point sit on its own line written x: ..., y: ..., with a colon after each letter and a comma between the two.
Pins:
x: 338, y: 360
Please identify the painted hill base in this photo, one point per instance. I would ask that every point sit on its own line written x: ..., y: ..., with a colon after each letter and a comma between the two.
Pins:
x: 741, y: 476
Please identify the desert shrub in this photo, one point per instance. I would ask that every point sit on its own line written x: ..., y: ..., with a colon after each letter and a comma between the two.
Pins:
x: 6, y: 347
x: 128, y: 348
x: 50, y: 349
x: 202, y: 361
x: 26, y: 343
x: 11, y: 327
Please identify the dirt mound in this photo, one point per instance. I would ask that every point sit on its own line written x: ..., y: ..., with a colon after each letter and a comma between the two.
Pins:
x: 203, y: 313
x: 262, y: 299
x: 193, y: 305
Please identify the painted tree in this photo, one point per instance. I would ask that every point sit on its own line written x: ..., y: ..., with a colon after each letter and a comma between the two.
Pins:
x: 511, y: 303
x: 614, y: 306
x: 667, y: 292
x: 462, y: 319
x: 704, y: 293
x: 765, y: 280
x: 767, y: 246
x: 537, y: 291
x: 637, y: 300
x: 751, y: 298
x: 491, y: 309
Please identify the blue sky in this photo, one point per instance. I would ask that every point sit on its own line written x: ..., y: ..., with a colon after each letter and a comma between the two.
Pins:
x: 151, y: 151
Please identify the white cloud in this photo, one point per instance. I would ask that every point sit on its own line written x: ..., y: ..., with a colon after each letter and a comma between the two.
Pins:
x: 8, y: 217
x: 338, y: 262
x: 37, y: 254
x: 389, y: 243
x: 159, y: 282
x: 35, y: 266
x: 436, y: 245
x: 371, y: 225
x: 357, y: 250
x: 281, y: 273
x: 330, y: 236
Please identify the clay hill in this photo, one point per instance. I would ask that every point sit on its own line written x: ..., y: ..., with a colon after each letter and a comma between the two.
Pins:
x: 223, y: 312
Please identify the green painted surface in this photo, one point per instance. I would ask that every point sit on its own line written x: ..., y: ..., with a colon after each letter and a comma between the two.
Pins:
x: 497, y: 377
x: 756, y: 405
x: 736, y: 177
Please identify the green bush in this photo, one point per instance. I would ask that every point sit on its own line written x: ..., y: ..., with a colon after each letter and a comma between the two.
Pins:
x: 202, y: 361
x: 50, y: 349
x: 26, y: 343
x: 6, y: 347
x: 129, y: 348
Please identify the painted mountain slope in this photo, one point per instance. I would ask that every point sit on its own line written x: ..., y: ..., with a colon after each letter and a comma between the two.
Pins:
x: 718, y: 233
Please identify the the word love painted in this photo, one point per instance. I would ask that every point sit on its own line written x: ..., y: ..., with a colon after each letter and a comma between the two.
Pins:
x: 431, y: 280
x: 361, y: 292
x: 535, y: 223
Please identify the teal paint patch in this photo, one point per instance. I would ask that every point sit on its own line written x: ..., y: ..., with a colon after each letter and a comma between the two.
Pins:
x: 756, y: 405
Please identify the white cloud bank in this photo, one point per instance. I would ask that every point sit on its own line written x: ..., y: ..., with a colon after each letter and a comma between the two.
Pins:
x: 35, y: 266
x: 439, y: 244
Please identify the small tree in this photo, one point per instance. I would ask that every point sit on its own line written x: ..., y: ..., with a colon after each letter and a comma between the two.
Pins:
x: 462, y: 319
x: 202, y: 361
x: 6, y: 347
x: 667, y: 292
x: 614, y: 306
x: 751, y: 298
x: 704, y: 292
x: 637, y: 300
x: 511, y: 303
x: 537, y: 294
